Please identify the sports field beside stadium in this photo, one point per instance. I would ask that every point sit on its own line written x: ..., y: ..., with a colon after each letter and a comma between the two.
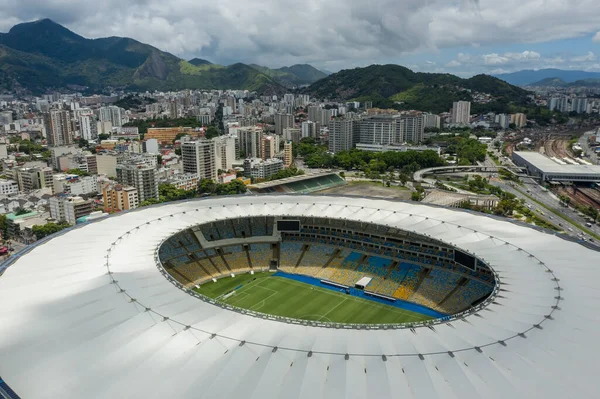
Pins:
x: 280, y: 296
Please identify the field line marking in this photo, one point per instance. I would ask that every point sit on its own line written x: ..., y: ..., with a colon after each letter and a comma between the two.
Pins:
x: 335, y: 307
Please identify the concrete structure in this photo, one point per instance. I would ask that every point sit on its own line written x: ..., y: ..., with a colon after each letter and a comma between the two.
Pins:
x: 392, y: 129
x: 225, y: 151
x: 310, y: 129
x: 118, y: 298
x: 33, y: 178
x: 74, y: 184
x: 111, y: 114
x: 260, y: 169
x: 151, y: 146
x: 283, y: 121
x: 58, y: 128
x: 140, y: 176
x: 184, y: 181
x: 249, y: 140
x: 106, y: 164
x: 88, y: 127
x: 270, y: 147
x: 199, y: 157
x: 119, y: 198
x: 292, y: 134
x: 432, y: 120
x: 69, y: 209
x: 20, y: 227
x: 167, y: 135
x: 519, y: 120
x: 343, y: 134
x: 288, y: 154
x: 8, y: 187
x: 546, y: 169
x: 461, y: 112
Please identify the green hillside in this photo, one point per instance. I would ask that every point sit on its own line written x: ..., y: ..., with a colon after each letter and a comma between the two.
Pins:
x: 42, y: 55
x: 399, y: 87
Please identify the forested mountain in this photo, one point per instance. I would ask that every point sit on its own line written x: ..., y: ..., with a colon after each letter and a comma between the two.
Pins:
x: 397, y: 86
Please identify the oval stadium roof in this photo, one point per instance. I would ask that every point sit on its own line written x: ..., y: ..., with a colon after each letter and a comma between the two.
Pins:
x: 89, y: 315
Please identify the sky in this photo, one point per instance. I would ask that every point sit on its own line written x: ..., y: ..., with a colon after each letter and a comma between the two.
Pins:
x: 462, y: 37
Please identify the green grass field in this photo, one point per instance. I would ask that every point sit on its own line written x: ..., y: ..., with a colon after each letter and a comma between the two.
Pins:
x: 289, y: 298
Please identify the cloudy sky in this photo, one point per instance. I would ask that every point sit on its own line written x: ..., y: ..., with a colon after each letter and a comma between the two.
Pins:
x: 463, y: 37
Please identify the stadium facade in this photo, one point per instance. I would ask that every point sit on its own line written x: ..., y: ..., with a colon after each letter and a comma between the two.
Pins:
x: 91, y: 313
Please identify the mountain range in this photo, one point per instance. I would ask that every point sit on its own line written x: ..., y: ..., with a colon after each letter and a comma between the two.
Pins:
x: 43, y: 55
x: 534, y: 77
x: 399, y: 87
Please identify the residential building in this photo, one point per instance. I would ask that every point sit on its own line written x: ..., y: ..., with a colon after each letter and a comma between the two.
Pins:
x: 249, y: 141
x: 293, y: 134
x: 503, y: 120
x: 119, y: 198
x: 140, y: 176
x: 58, y: 128
x: 381, y: 129
x: 74, y: 184
x: 310, y: 129
x: 580, y: 105
x: 204, y: 119
x: 199, y: 157
x: 288, y: 155
x: 283, y: 121
x: 225, y: 151
x: 519, y: 119
x: 106, y: 164
x: 270, y: 147
x: 19, y: 227
x: 33, y: 178
x: 343, y: 134
x: 413, y: 128
x: 167, y: 135
x: 261, y: 169
x: 151, y: 146
x: 88, y: 127
x: 461, y: 112
x: 432, y: 120
x: 111, y: 114
x: 69, y: 209
x: 184, y: 181
x: 396, y: 148
x: 8, y: 187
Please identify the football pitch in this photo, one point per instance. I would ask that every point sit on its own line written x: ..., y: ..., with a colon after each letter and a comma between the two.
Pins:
x: 280, y: 296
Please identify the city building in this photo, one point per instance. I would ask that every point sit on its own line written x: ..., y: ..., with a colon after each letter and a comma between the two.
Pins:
x: 88, y: 127
x: 288, y: 154
x: 519, y: 120
x: 283, y: 121
x: 293, y: 134
x: 167, y: 135
x: 150, y: 146
x: 225, y: 151
x: 141, y: 176
x: 74, y: 184
x: 184, y: 181
x: 503, y: 120
x: 270, y: 147
x: 461, y: 112
x: 432, y: 120
x: 106, y: 164
x: 111, y: 114
x: 8, y: 187
x: 546, y: 169
x: 310, y: 129
x: 119, y: 198
x: 580, y: 105
x: 32, y: 178
x: 199, y: 157
x: 343, y: 134
x: 69, y: 209
x: 58, y: 128
x: 396, y: 148
x: 249, y: 141
x: 261, y: 169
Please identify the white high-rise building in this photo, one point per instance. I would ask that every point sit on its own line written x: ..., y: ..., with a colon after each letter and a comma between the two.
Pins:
x: 58, y: 128
x: 461, y: 112
x: 225, y: 151
x: 309, y: 129
x: 111, y: 114
x: 200, y: 157
x: 249, y: 140
x: 432, y: 120
x: 343, y: 134
x: 283, y: 121
x: 88, y: 127
x: 141, y: 176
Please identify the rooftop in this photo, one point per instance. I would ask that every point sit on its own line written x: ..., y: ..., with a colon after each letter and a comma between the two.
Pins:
x: 547, y: 165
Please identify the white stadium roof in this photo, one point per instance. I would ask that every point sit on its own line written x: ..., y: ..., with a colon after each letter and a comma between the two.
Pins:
x: 68, y: 329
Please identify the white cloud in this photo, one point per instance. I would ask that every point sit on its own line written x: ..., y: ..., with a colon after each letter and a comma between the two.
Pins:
x: 583, y: 58
x: 596, y: 38
x: 453, y: 64
x: 329, y: 34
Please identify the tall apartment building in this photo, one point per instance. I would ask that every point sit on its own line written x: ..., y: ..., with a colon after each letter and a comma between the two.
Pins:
x: 226, y: 151
x: 293, y: 134
x: 69, y: 209
x: 319, y: 115
x: 392, y: 129
x: 519, y: 119
x: 461, y: 112
x: 120, y: 198
x: 111, y: 114
x: 141, y: 176
x: 74, y: 185
x: 283, y: 121
x: 88, y: 127
x: 580, y: 105
x: 249, y: 141
x: 310, y: 129
x: 343, y: 134
x: 58, y: 127
x: 288, y: 154
x: 432, y: 120
x: 413, y: 128
x: 270, y: 147
x: 260, y: 169
x: 199, y: 157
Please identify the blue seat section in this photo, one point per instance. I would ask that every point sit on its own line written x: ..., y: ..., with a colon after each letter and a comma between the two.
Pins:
x: 353, y: 257
x: 8, y: 390
x: 360, y: 293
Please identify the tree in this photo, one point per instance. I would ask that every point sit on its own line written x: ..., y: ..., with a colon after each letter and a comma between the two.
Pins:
x: 211, y: 132
x: 403, y: 178
x: 41, y: 231
x: 149, y: 201
x: 206, y: 186
x: 415, y: 196
x: 21, y: 211
x: 77, y: 172
x: 103, y: 136
x: 343, y: 175
x: 4, y: 227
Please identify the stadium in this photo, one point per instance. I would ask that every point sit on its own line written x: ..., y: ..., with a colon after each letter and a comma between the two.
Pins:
x: 298, y: 296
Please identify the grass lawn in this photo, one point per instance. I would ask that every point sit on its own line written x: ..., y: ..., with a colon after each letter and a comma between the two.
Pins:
x: 265, y: 293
